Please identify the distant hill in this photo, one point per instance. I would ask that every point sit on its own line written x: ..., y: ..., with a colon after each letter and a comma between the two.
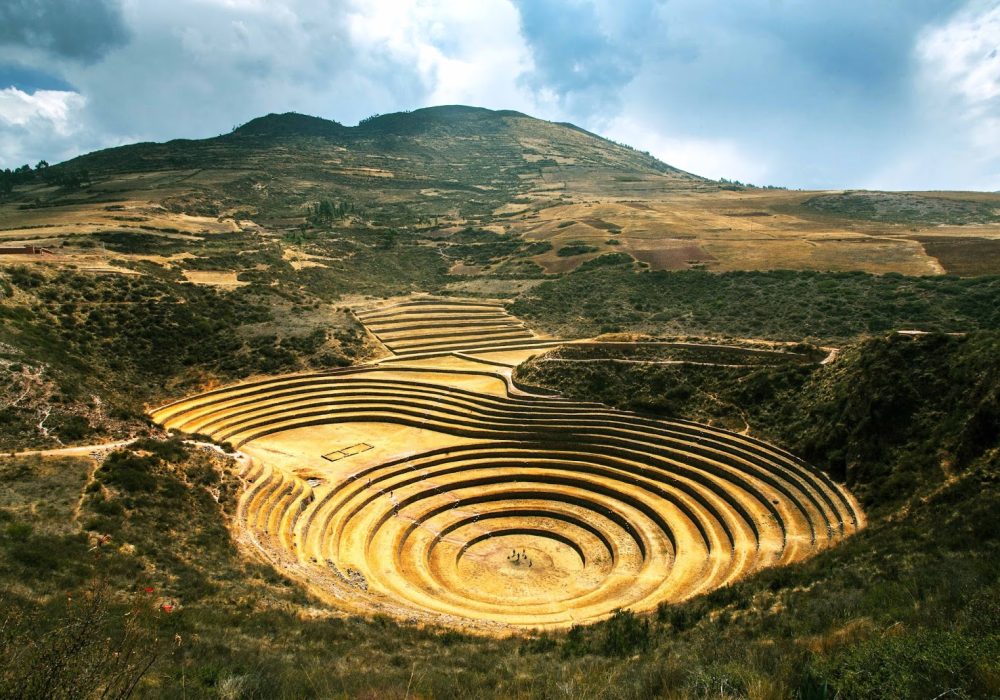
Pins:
x: 570, y: 195
x: 451, y: 161
x: 290, y: 124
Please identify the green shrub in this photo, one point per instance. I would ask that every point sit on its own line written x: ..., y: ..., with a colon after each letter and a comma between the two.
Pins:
x: 575, y: 249
x: 128, y: 471
x: 625, y: 633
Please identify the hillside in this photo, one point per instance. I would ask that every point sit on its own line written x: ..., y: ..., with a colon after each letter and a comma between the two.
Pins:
x: 905, y: 609
x: 413, y: 408
x: 434, y: 172
x: 449, y: 164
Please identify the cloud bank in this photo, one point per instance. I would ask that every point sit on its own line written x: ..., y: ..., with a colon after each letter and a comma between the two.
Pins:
x: 900, y: 94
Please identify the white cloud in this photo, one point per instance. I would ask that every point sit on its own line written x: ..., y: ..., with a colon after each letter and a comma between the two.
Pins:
x: 960, y: 74
x: 195, y: 68
x: 44, y: 122
x: 465, y: 52
x: 963, y: 56
x: 713, y: 158
x: 956, y: 143
x: 51, y: 109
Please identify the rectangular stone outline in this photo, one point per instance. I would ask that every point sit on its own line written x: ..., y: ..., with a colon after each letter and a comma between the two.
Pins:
x: 348, y: 451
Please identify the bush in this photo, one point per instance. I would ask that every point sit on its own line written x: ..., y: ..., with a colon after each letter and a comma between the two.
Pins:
x: 128, y: 471
x: 920, y: 664
x: 170, y: 450
x: 85, y: 646
x: 625, y: 633
x: 72, y: 428
x: 575, y: 249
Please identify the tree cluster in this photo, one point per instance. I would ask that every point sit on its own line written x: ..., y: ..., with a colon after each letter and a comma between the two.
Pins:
x: 326, y: 212
x: 24, y: 174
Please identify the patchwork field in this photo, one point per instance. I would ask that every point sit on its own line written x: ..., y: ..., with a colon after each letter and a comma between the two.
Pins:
x: 428, y: 486
x: 755, y: 229
x: 573, y: 195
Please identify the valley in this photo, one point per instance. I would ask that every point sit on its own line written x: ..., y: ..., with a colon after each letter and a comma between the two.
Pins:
x: 459, y: 402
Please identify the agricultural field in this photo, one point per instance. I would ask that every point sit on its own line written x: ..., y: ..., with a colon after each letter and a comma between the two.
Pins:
x: 551, y: 197
x: 748, y: 229
x: 427, y: 486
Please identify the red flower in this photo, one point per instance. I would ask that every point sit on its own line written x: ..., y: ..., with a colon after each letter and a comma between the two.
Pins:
x: 148, y: 589
x: 167, y: 608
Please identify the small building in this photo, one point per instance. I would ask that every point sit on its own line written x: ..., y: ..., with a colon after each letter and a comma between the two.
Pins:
x: 26, y: 250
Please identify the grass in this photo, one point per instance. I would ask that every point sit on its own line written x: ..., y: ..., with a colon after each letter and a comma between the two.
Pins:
x: 131, y: 340
x: 903, y: 207
x: 568, y: 251
x: 279, y: 167
x: 905, y: 609
x: 780, y: 305
x: 908, y: 608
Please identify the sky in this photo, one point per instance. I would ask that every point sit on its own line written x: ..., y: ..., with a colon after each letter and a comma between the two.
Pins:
x: 879, y: 94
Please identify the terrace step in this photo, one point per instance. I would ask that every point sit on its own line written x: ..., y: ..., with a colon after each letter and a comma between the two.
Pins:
x: 610, y: 509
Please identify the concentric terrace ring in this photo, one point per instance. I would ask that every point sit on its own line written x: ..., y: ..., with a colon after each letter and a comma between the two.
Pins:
x: 533, y: 512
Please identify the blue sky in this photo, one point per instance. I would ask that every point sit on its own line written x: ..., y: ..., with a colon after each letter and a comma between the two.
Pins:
x: 887, y: 94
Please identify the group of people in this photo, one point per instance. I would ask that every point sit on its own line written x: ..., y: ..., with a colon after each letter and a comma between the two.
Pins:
x: 519, y: 557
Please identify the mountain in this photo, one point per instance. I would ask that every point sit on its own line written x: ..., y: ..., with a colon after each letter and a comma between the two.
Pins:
x: 440, y: 170
x: 452, y: 162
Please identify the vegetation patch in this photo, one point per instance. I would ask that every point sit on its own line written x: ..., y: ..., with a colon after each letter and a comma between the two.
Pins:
x: 964, y: 256
x: 902, y: 207
x: 893, y: 415
x: 568, y: 251
x: 140, y: 243
x: 129, y: 340
x: 779, y: 305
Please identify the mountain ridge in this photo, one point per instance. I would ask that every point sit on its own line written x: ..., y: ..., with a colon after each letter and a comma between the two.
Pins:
x: 442, y: 121
x: 571, y: 194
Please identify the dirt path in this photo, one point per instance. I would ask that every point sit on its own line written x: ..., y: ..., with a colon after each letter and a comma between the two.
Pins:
x: 77, y: 450
x: 834, y: 353
x: 88, y: 450
x: 650, y: 362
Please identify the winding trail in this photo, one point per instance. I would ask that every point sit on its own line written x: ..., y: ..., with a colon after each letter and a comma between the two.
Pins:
x: 77, y: 450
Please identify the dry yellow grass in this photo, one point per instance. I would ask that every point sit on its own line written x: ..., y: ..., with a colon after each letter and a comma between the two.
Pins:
x: 214, y: 278
x: 141, y: 216
x: 665, y: 221
x: 95, y: 262
x: 744, y: 230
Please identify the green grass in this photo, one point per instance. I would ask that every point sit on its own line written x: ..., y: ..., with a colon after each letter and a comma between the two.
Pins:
x: 572, y: 249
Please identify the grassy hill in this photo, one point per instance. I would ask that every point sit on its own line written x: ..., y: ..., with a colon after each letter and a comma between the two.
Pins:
x: 434, y: 172
x: 443, y: 163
